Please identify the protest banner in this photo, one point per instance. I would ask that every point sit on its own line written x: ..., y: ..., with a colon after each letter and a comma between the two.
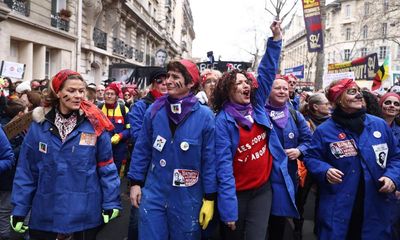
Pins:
x: 312, y: 20
x: 364, y: 68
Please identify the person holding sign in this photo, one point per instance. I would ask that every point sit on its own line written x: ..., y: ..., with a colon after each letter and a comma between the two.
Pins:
x: 65, y: 174
x: 355, y: 179
x: 172, y: 171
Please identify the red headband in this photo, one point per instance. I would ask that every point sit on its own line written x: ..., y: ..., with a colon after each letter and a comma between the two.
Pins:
x: 61, y: 77
x: 337, y: 90
x: 389, y: 94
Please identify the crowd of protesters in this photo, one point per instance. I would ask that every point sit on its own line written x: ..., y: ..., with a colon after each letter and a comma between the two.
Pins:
x: 206, y: 154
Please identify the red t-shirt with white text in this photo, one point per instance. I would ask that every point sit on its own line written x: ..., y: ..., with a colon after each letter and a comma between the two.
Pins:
x: 252, y: 163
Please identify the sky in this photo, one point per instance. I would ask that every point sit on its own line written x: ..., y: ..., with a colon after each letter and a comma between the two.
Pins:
x: 229, y: 28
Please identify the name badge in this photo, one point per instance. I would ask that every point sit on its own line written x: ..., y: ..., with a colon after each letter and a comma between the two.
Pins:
x: 88, y: 139
x: 42, y: 147
x: 381, y: 152
x: 343, y: 149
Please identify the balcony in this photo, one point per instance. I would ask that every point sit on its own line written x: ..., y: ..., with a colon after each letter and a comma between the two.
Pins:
x: 59, y: 22
x: 139, y: 55
x: 20, y: 6
x: 100, y: 39
x: 122, y: 49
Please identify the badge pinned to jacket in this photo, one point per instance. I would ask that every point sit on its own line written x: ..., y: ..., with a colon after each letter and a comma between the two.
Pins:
x: 42, y: 147
x: 159, y: 143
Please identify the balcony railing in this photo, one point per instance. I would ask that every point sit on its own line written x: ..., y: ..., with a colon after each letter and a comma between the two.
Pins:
x: 139, y: 56
x: 122, y: 49
x: 100, y: 39
x: 59, y: 22
x: 20, y: 6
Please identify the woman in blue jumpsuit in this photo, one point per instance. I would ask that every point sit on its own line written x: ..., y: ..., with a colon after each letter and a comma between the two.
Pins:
x: 241, y: 222
x: 355, y: 160
x: 390, y: 105
x: 294, y: 136
x: 174, y: 160
x: 65, y: 174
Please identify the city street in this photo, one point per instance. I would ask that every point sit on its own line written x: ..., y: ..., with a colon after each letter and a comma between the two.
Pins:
x: 118, y: 228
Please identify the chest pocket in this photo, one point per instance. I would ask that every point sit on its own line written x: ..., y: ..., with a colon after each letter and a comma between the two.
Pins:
x: 83, y: 151
x: 190, y: 150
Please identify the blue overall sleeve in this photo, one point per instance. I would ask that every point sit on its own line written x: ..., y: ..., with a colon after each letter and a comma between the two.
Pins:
x: 141, y: 155
x: 7, y: 159
x: 135, y: 118
x: 26, y: 174
x: 208, y: 165
x: 314, y: 158
x: 108, y: 175
x: 304, y: 139
x: 227, y: 200
x: 393, y: 167
x: 267, y: 70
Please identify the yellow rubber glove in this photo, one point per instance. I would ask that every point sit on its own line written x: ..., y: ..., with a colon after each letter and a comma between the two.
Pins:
x: 17, y: 224
x: 109, y: 215
x: 115, y: 139
x: 206, y: 213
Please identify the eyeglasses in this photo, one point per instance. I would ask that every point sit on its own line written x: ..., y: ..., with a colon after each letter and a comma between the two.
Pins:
x: 353, y: 91
x: 388, y: 102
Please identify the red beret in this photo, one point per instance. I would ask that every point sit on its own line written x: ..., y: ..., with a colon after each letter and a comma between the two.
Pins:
x: 192, y: 69
x: 115, y: 87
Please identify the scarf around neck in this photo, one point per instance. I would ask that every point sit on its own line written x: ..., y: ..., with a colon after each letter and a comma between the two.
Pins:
x: 177, y: 109
x: 243, y: 114
x: 278, y: 115
x: 351, y: 121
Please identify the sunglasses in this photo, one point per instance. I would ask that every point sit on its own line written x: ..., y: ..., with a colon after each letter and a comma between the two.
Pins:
x: 388, y: 102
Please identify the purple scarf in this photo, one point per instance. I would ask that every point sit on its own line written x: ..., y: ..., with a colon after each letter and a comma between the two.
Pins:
x: 239, y: 113
x: 177, y: 109
x: 278, y: 115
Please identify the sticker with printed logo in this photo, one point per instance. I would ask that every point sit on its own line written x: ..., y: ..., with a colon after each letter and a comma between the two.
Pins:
x: 185, y: 177
x: 159, y: 143
x: 88, y: 139
x: 42, y: 147
x: 343, y: 149
x: 381, y: 152
x: 176, y: 108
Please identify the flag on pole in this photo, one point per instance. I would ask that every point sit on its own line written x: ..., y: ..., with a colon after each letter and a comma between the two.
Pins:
x: 381, y: 75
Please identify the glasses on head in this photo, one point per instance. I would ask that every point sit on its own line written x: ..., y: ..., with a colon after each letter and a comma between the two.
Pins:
x: 353, y: 91
x: 389, y: 102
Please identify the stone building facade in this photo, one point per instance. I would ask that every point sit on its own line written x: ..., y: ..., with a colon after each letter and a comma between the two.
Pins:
x: 90, y: 35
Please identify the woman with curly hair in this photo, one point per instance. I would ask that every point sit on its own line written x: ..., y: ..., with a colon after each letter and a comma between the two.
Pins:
x: 249, y: 155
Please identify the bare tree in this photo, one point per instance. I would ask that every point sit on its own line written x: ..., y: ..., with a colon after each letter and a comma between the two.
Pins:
x: 278, y: 8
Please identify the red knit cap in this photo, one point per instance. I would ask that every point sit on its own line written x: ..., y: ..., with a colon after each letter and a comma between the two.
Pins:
x: 192, y: 69
x: 61, y: 77
x: 335, y: 91
x: 389, y: 94
x: 115, y: 87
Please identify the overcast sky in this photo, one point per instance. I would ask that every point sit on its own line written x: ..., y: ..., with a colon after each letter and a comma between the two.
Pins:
x: 229, y: 27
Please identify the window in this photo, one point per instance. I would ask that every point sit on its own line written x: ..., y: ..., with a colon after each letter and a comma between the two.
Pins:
x: 398, y: 52
x: 384, y: 30
x: 364, y: 52
x: 348, y: 33
x: 347, y: 54
x: 366, y: 8
x: 365, y: 31
x: 57, y: 5
x: 47, y: 64
x: 382, y: 52
x: 348, y: 11
x: 385, y: 5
